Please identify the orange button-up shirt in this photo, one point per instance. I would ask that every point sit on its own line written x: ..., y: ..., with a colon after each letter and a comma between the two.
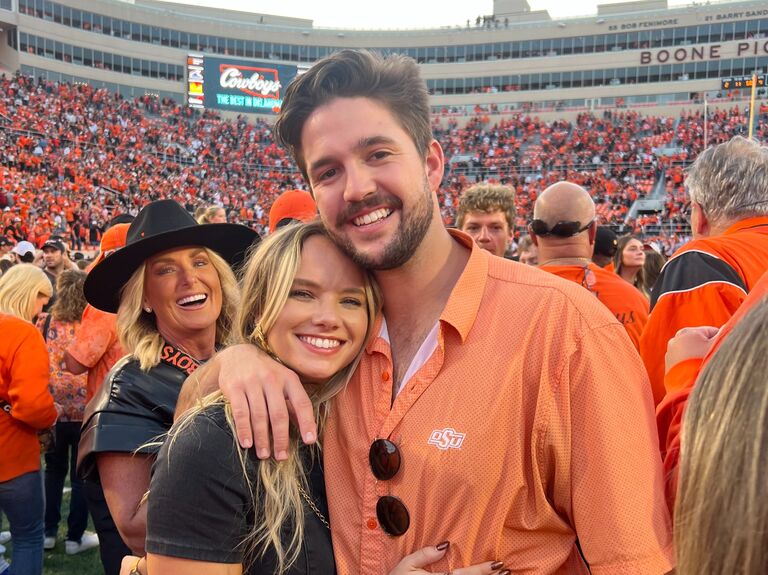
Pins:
x: 530, y: 426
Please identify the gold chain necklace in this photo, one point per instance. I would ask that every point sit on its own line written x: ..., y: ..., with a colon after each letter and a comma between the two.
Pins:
x: 313, y: 507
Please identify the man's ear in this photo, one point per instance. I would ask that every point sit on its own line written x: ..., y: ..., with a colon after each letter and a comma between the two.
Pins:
x: 700, y: 224
x: 592, y: 234
x: 534, y: 237
x: 434, y: 164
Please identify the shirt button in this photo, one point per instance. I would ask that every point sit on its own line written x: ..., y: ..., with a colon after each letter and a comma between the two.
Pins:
x: 371, y: 523
x: 385, y: 376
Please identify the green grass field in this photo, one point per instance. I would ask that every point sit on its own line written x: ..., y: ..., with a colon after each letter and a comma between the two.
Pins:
x: 57, y: 562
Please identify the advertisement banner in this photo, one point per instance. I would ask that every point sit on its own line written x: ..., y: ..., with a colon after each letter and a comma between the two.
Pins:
x: 236, y: 85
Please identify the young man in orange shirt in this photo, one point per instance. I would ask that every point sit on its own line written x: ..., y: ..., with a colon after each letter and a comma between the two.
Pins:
x: 564, y: 230
x: 707, y: 279
x: 500, y: 408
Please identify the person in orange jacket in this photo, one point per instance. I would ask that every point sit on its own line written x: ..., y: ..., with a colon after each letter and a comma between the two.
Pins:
x: 707, y: 279
x: 26, y: 406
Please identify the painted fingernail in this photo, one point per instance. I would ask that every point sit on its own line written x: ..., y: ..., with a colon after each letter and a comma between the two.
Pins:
x: 309, y: 437
x: 246, y: 443
x: 497, y: 565
x: 262, y: 453
x: 505, y: 572
x: 281, y: 455
x: 442, y: 546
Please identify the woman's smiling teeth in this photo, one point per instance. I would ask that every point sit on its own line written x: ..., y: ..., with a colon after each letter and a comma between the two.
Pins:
x: 376, y: 216
x: 192, y: 299
x: 321, y: 342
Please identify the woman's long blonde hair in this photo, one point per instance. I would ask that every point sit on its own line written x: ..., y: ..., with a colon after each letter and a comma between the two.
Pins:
x: 721, y: 516
x: 20, y: 287
x: 276, y: 491
x: 137, y: 329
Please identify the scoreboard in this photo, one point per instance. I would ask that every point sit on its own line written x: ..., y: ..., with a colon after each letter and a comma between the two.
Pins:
x: 736, y: 82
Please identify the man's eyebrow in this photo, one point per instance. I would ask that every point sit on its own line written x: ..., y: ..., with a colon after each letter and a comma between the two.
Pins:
x: 362, y: 144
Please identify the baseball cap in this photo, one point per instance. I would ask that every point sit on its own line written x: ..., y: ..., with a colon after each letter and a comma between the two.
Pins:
x: 55, y: 244
x: 113, y: 239
x: 293, y: 205
x: 23, y: 248
x: 606, y: 241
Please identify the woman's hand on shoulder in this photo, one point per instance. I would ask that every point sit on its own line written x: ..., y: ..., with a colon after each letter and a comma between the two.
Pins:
x: 413, y: 564
x: 259, y: 390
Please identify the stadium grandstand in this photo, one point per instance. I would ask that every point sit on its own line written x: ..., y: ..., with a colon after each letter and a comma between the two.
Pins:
x: 106, y: 105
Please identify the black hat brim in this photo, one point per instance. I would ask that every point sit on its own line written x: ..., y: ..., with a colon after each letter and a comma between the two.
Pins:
x: 105, y: 282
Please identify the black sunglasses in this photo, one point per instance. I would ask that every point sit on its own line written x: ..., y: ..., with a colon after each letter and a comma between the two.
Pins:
x: 560, y: 229
x: 393, y: 516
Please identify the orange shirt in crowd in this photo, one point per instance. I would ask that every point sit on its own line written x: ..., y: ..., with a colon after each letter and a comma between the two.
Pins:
x: 529, y: 427
x: 703, y: 283
x: 24, y: 385
x: 679, y: 382
x: 96, y: 346
x: 624, y: 300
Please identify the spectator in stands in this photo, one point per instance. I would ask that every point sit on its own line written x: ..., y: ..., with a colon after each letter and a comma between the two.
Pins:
x: 58, y: 329
x: 628, y: 262
x: 212, y: 215
x: 606, y: 243
x: 175, y: 298
x: 292, y: 206
x: 722, y: 507
x: 487, y: 213
x: 528, y: 252
x: 378, y: 200
x: 95, y: 349
x: 26, y: 406
x: 564, y: 231
x: 706, y: 280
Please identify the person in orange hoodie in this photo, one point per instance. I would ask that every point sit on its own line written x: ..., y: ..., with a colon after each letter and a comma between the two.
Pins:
x: 706, y: 280
x: 26, y: 406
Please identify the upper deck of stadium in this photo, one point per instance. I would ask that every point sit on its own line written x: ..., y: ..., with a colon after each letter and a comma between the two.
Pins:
x: 633, y: 53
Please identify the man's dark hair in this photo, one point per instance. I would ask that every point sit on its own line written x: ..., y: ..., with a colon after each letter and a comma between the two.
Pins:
x: 119, y: 219
x: 393, y: 81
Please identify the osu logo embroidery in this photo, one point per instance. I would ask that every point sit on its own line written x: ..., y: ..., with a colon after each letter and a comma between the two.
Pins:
x: 447, y: 438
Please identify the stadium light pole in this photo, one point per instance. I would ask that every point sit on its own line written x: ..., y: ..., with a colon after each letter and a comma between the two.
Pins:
x: 752, y: 104
x: 706, y: 118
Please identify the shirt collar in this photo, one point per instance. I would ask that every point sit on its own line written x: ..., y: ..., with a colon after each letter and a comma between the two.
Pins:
x: 747, y: 223
x: 463, y: 304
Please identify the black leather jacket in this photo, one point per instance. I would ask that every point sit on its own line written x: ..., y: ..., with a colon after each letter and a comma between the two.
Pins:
x: 132, y: 408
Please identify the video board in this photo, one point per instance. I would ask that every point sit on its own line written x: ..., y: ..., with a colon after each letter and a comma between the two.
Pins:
x: 236, y: 85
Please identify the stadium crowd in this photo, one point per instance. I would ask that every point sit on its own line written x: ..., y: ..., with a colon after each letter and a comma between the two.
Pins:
x: 72, y: 155
x: 112, y: 294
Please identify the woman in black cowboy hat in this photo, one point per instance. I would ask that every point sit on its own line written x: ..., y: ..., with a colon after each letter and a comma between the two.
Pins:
x: 175, y: 294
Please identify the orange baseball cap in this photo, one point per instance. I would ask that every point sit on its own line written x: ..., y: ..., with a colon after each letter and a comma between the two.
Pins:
x: 113, y: 239
x: 292, y: 205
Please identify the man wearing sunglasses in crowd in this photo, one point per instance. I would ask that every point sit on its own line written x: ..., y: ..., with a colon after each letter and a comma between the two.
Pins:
x: 497, y: 407
x: 564, y: 229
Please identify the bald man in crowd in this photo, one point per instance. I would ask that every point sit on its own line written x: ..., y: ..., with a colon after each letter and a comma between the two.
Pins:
x: 564, y: 230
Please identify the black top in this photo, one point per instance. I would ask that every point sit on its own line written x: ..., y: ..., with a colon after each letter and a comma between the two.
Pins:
x: 200, y: 506
x: 132, y: 408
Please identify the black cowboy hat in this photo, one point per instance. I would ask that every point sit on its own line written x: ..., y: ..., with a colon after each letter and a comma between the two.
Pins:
x: 160, y: 226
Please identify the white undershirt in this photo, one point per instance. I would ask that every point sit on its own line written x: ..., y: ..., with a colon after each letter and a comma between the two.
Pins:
x: 428, y: 347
